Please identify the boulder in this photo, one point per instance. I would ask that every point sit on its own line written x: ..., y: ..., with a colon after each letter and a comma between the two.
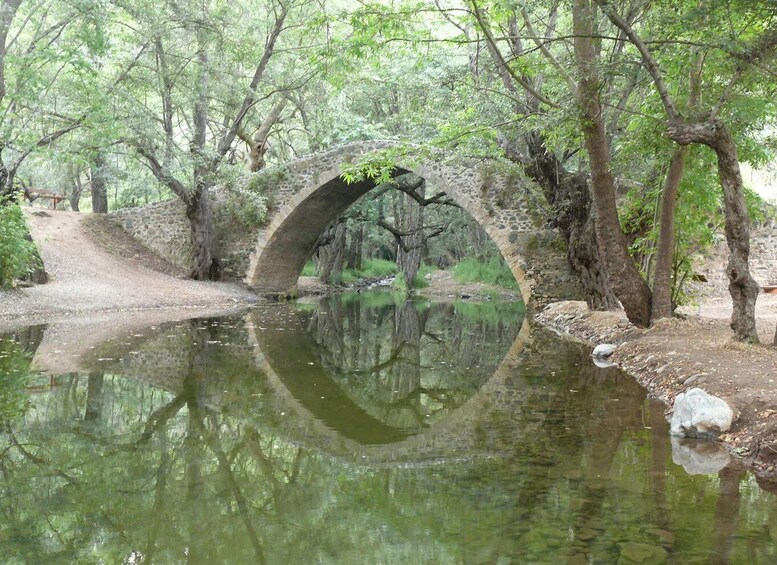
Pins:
x: 603, y: 350
x: 699, y: 457
x: 698, y: 414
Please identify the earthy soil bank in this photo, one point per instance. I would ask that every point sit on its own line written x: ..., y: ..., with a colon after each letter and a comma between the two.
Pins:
x: 695, y: 351
x: 93, y: 268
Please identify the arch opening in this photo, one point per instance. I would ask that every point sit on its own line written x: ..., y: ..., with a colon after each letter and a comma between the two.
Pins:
x: 315, y: 195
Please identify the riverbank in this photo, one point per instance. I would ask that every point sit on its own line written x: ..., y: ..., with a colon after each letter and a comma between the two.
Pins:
x: 91, y: 272
x: 440, y: 285
x: 695, y: 351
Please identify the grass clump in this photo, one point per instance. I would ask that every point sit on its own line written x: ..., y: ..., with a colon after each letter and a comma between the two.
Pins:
x: 371, y: 269
x: 494, y: 271
x: 420, y: 278
x: 399, y: 284
x: 309, y: 270
x: 18, y: 255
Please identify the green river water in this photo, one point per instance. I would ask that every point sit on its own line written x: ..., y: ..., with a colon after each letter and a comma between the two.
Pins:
x: 361, y: 429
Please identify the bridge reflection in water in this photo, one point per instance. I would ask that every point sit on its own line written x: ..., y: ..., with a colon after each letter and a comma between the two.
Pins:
x: 361, y: 429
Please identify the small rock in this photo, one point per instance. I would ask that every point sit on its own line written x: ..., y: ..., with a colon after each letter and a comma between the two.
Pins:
x: 698, y: 414
x: 692, y: 379
x: 603, y: 350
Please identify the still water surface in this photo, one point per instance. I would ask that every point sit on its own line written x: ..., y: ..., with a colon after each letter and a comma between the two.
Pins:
x: 364, y: 429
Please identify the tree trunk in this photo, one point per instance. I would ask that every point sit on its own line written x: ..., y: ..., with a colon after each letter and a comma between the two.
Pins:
x: 76, y: 188
x: 257, y: 146
x: 569, y: 195
x: 94, y: 397
x: 742, y: 287
x: 662, y: 281
x: 355, y: 248
x: 409, y: 219
x: 206, y: 266
x: 629, y: 286
x: 330, y: 256
x: 99, y: 186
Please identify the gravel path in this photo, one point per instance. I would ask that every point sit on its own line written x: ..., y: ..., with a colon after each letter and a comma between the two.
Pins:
x: 84, y: 279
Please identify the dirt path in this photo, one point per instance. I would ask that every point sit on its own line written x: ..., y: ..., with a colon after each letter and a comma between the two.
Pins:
x: 85, y: 278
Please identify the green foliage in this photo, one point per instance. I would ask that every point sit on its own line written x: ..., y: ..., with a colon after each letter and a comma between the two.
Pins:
x: 371, y: 269
x: 15, y: 372
x: 494, y: 271
x: 399, y: 283
x: 378, y: 166
x: 420, y: 277
x: 18, y: 255
x: 249, y: 203
x: 309, y: 270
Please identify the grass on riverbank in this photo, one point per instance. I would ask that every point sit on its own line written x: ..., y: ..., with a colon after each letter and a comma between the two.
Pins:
x: 494, y: 271
x: 372, y: 269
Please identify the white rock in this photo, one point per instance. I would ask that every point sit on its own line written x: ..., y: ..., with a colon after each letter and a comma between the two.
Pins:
x: 698, y: 414
x: 603, y: 350
x: 699, y: 457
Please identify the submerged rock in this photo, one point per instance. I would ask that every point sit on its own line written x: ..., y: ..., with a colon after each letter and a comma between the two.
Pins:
x: 699, y: 457
x: 632, y: 552
x: 603, y: 350
x: 699, y: 414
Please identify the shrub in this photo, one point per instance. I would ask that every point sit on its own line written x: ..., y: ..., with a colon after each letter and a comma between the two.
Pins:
x: 247, y: 208
x: 18, y: 255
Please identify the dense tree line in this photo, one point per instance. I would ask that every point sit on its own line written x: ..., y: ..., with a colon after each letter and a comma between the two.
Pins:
x: 631, y: 116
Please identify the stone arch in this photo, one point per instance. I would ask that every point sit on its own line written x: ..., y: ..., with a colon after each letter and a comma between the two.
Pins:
x: 312, y: 194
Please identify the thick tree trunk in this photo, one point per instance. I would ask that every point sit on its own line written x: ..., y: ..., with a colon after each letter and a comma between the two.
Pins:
x: 205, y: 266
x: 409, y: 218
x: 355, y: 248
x: 662, y: 281
x: 99, y: 186
x: 742, y: 287
x: 569, y: 195
x: 630, y: 288
x: 405, y: 374
x: 331, y: 255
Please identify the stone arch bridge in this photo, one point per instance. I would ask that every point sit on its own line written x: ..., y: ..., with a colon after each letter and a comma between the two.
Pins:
x: 310, y: 194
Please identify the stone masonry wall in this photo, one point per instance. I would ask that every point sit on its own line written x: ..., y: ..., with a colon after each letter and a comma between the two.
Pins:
x: 309, y: 193
x: 164, y: 228
x: 763, y: 261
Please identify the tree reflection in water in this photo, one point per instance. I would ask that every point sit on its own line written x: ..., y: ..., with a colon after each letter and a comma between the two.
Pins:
x: 176, y: 449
